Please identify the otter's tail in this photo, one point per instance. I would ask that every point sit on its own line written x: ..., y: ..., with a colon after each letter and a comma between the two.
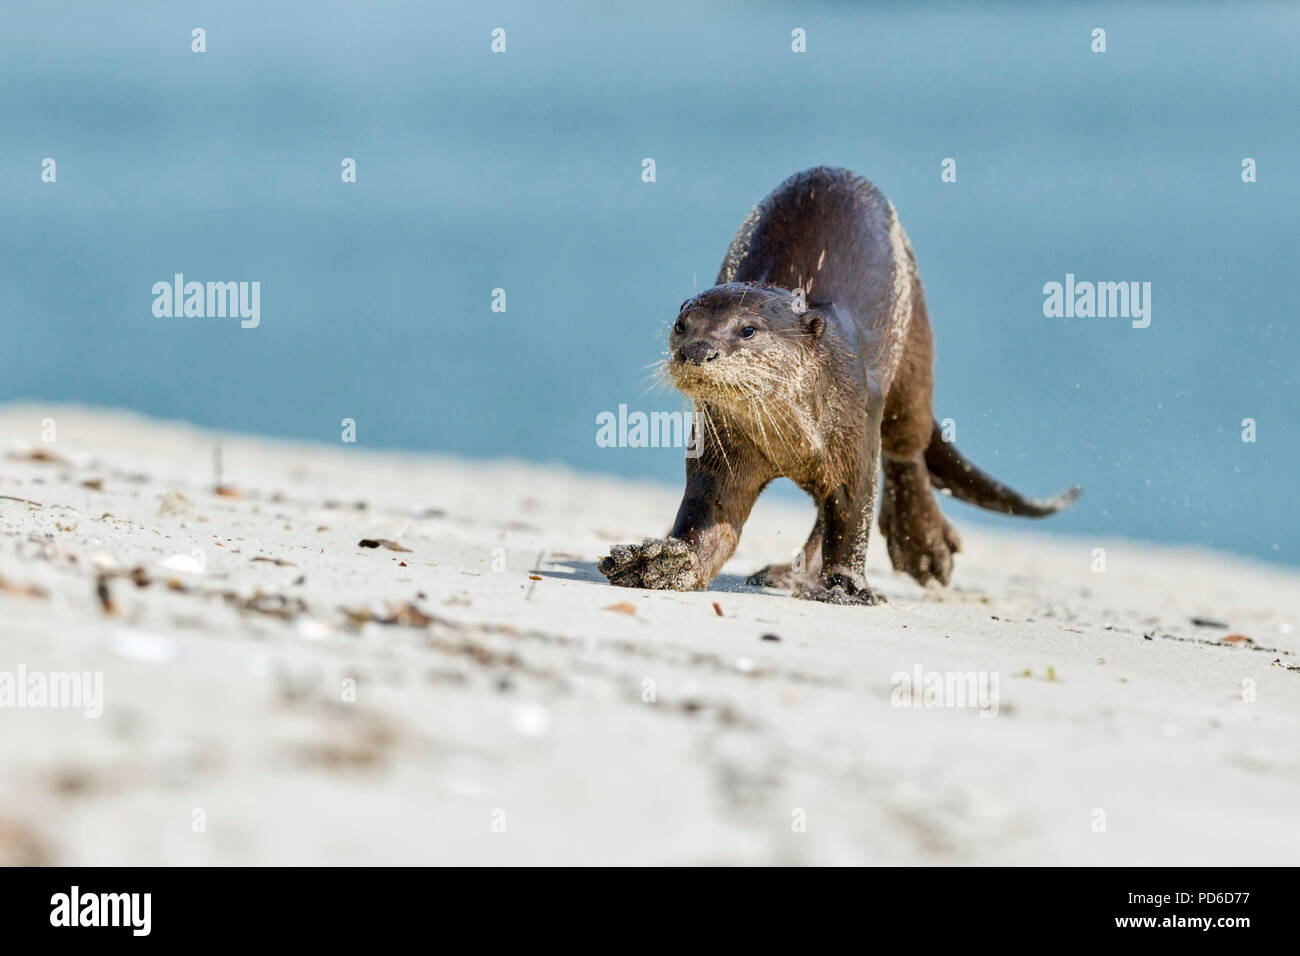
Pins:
x: 949, y: 471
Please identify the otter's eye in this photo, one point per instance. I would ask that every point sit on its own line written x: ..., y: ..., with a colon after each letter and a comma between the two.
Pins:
x: 679, y: 326
x: 748, y: 332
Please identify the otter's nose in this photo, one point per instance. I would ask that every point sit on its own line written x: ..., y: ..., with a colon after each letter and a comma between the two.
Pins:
x: 697, y: 353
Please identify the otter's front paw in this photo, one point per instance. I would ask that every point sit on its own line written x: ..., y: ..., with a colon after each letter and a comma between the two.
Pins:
x: 662, y: 564
x: 839, y: 588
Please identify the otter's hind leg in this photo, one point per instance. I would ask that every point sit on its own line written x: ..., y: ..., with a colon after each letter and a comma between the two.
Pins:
x: 784, y: 576
x: 920, y: 540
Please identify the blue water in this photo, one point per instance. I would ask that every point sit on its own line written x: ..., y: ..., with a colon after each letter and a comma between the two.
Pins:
x: 523, y: 171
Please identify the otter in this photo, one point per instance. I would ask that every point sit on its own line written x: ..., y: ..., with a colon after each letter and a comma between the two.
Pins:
x: 812, y: 359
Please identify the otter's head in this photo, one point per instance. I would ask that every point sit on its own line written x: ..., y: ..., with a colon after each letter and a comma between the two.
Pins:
x: 736, y: 341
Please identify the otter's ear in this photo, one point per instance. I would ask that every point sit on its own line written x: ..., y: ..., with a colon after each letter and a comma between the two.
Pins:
x: 814, y: 323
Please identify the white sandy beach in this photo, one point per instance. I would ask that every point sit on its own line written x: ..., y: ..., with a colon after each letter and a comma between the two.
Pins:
x: 500, y: 711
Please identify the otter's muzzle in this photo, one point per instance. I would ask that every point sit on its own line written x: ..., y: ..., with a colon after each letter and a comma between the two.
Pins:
x: 697, y: 353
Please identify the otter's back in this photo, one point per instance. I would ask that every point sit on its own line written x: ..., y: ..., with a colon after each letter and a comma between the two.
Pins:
x: 828, y: 230
x: 834, y: 234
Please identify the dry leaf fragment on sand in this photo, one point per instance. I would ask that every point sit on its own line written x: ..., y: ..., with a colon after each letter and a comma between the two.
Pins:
x: 22, y: 589
x: 281, y: 606
x: 20, y: 845
x: 622, y: 607
x: 405, y: 614
x: 37, y: 454
x: 381, y: 543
